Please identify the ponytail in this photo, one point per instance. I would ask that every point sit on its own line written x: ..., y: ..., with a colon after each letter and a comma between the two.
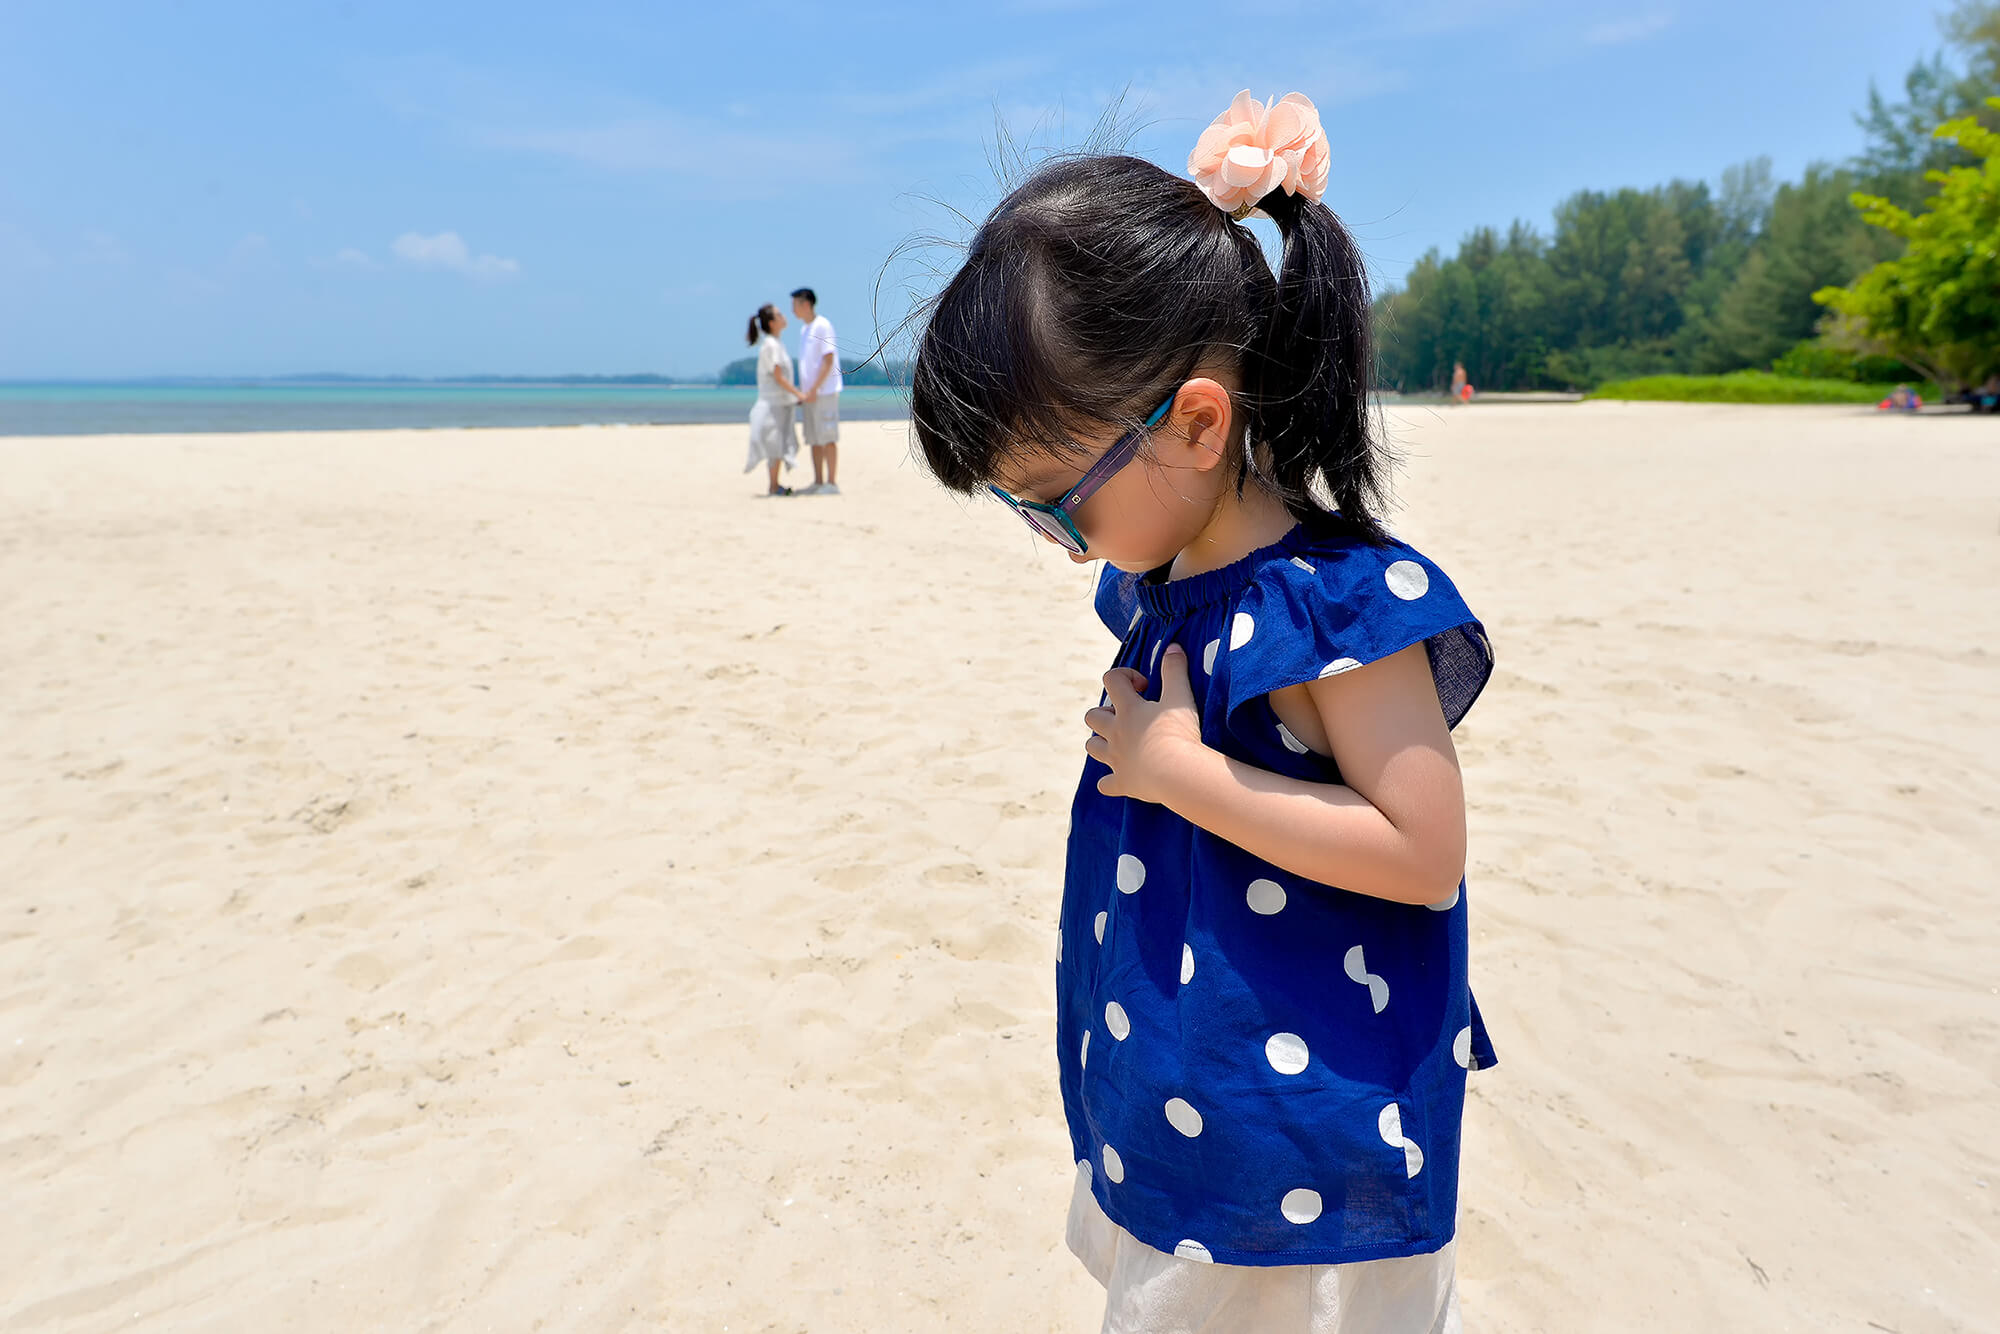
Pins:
x: 1310, y: 371
x: 1101, y: 284
x: 753, y: 330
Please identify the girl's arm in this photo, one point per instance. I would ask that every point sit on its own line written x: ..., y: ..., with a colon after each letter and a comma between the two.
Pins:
x: 1395, y: 829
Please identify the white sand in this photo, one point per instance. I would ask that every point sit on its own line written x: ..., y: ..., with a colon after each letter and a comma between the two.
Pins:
x: 513, y: 880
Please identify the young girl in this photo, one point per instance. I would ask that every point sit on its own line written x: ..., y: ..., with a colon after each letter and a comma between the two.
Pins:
x: 1263, y: 1023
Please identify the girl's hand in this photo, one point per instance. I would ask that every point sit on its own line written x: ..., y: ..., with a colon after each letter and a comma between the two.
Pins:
x: 1149, y: 746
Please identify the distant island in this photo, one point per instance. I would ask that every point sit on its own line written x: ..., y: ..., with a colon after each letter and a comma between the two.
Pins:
x: 854, y: 373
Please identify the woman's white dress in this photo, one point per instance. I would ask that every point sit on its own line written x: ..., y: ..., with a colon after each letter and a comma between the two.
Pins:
x: 771, y: 433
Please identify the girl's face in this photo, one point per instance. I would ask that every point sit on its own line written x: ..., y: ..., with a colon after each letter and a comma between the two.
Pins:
x: 778, y: 323
x: 1154, y: 507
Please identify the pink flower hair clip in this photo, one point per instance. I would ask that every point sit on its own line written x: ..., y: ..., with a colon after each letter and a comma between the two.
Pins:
x: 1250, y: 150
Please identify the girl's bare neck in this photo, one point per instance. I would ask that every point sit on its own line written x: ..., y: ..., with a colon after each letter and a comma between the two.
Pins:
x: 1238, y: 526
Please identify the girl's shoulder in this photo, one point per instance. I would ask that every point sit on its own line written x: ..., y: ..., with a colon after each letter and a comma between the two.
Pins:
x: 1326, y: 602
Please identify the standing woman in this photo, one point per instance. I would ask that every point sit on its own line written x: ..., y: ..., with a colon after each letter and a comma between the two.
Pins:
x: 772, y: 439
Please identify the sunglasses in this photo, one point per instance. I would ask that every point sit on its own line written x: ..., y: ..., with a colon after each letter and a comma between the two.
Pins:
x: 1053, y: 520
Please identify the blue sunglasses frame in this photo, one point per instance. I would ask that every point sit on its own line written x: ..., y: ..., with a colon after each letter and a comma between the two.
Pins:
x: 1053, y: 521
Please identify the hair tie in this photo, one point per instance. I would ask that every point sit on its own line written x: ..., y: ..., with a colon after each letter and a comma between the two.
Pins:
x: 1250, y: 150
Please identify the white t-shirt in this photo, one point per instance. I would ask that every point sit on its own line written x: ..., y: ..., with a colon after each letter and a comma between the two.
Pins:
x: 815, y: 346
x: 770, y: 356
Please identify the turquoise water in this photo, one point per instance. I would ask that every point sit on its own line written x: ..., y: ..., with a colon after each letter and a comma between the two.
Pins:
x: 133, y: 409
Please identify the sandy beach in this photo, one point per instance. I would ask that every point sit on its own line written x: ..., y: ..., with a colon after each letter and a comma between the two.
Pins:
x: 514, y: 880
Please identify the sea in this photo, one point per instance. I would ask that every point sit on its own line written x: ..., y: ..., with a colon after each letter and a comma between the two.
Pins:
x: 141, y: 408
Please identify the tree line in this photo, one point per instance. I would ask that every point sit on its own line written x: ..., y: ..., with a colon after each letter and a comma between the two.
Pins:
x: 1685, y: 278
x: 875, y: 371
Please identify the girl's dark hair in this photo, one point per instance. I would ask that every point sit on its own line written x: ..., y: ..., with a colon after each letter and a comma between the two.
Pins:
x: 761, y: 322
x: 1103, y: 282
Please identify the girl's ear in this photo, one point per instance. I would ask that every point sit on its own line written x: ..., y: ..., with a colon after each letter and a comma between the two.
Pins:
x: 1198, y: 427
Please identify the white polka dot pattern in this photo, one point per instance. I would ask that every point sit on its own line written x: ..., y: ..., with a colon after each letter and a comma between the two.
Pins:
x: 1390, y: 1123
x: 1265, y: 897
x: 1306, y: 610
x: 1356, y: 967
x: 1287, y: 1053
x: 1407, y: 580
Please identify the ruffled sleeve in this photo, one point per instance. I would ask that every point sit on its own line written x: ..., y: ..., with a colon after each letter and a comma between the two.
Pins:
x: 1336, y: 605
x: 1118, y: 600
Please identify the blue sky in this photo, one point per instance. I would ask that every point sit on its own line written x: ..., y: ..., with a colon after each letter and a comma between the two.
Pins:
x: 434, y: 189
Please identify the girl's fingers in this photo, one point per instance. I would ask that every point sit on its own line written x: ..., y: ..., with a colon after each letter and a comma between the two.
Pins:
x: 1096, y: 747
x: 1098, y: 720
x: 1123, y: 685
x: 1175, y: 688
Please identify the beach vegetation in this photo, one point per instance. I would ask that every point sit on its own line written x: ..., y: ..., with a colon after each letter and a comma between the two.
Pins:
x: 1937, y: 305
x: 1689, y: 278
x: 1901, y: 147
x: 1743, y: 387
x: 1819, y: 359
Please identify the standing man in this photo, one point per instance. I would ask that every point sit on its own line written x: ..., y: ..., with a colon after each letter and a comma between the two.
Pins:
x: 819, y: 391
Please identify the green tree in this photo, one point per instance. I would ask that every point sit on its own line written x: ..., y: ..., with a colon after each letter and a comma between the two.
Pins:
x: 1937, y: 306
x: 1900, y: 147
x: 1811, y: 239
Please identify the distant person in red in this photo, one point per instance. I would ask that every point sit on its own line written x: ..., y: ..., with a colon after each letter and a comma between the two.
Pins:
x: 1901, y: 399
x: 1461, y: 389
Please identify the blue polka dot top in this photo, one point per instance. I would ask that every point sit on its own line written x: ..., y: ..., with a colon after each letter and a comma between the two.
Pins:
x: 1259, y: 1069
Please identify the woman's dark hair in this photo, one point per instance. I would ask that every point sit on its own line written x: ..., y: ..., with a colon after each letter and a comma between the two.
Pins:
x: 761, y: 322
x: 1103, y: 282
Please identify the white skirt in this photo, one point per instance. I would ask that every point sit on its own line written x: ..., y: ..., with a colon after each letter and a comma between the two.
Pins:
x: 1151, y: 1292
x: 771, y: 434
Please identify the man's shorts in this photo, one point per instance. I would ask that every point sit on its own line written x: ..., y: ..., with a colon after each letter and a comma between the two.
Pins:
x: 820, y: 420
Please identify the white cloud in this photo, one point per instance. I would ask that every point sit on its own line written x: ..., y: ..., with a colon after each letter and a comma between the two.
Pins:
x: 185, y: 284
x: 19, y: 251
x: 1439, y: 18
x: 715, y: 160
x: 102, y: 248
x: 742, y: 150
x: 448, y: 250
x: 1629, y: 30
x: 252, y: 252
x: 350, y: 258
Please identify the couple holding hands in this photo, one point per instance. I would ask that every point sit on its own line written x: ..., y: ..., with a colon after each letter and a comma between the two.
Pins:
x: 815, y: 395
